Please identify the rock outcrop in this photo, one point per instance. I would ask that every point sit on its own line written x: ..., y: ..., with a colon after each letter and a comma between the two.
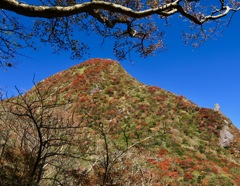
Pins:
x: 226, y: 138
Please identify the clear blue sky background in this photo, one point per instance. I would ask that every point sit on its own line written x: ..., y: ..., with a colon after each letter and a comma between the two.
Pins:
x: 206, y: 75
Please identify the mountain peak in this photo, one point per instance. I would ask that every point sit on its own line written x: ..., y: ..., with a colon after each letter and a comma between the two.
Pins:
x: 85, y: 76
x: 100, y: 126
x: 106, y: 78
x: 96, y: 63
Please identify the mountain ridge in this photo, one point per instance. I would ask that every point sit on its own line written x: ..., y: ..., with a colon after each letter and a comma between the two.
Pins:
x: 122, y: 131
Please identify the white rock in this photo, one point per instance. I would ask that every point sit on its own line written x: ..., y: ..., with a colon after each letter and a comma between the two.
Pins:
x: 217, y: 107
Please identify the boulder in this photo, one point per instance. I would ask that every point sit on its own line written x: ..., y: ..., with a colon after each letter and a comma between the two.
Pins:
x: 226, y: 137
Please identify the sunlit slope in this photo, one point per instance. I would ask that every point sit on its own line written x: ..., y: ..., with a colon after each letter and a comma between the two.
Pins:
x: 128, y: 133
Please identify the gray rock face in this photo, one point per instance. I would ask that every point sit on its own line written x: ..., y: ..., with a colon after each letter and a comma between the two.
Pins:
x: 226, y: 137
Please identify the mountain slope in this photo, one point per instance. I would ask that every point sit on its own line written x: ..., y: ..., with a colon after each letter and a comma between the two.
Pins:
x: 94, y: 124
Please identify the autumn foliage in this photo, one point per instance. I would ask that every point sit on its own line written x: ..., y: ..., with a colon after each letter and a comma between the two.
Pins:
x: 117, y: 131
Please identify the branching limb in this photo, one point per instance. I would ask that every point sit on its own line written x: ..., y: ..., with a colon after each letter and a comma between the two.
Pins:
x: 224, y: 11
x: 117, y: 19
x: 88, y: 7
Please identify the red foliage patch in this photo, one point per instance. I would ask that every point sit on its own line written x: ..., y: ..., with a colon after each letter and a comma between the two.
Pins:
x: 162, y: 152
x: 172, y: 174
x: 164, y: 165
x: 152, y: 89
x: 188, y: 176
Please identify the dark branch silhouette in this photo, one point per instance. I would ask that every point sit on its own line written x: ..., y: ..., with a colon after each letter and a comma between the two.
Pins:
x: 133, y: 24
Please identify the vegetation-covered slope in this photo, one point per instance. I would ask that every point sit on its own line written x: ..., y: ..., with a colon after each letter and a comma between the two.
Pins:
x: 93, y: 124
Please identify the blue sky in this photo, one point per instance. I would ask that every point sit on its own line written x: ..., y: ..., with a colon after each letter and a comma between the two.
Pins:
x: 206, y: 75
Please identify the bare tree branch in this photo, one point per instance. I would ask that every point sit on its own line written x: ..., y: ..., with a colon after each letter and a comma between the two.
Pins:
x: 91, y: 7
x: 88, y: 7
x: 118, y: 19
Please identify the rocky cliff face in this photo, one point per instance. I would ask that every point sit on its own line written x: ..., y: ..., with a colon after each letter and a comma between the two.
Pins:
x: 100, y: 126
